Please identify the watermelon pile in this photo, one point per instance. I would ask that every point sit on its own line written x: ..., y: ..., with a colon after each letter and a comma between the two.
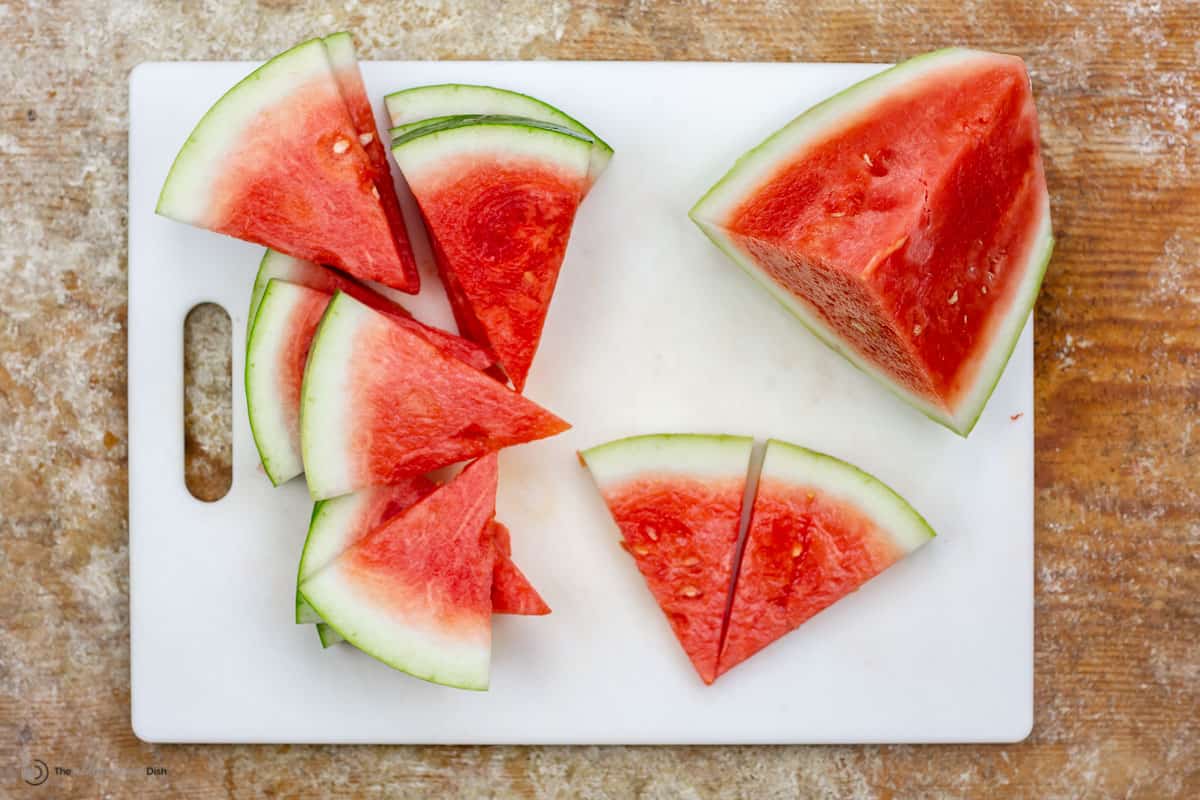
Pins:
x: 343, y: 384
x: 816, y: 530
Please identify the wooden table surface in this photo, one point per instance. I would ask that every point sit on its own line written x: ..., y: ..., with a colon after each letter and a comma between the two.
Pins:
x: 1117, y: 342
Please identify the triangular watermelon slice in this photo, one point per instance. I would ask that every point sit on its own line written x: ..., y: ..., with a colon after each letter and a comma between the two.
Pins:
x: 677, y: 500
x: 415, y: 593
x: 905, y: 221
x: 499, y: 196
x: 819, y: 529
x: 380, y: 403
x: 340, y: 522
x: 278, y: 161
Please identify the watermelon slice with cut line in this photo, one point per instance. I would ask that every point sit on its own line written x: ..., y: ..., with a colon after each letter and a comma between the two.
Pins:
x: 344, y: 62
x: 905, y: 221
x: 677, y: 499
x: 277, y: 160
x: 377, y: 296
x: 379, y: 403
x: 819, y: 529
x: 415, y: 593
x: 499, y: 197
x: 338, y: 523
x: 421, y: 105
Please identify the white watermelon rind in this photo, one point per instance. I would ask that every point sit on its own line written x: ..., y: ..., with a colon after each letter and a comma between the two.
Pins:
x: 422, y: 103
x: 186, y: 194
x: 840, y: 480
x: 695, y: 455
x: 755, y: 165
x: 328, y: 537
x: 278, y: 452
x: 273, y: 265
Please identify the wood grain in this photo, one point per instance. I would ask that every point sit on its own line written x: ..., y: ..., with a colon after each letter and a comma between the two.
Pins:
x: 1117, y: 344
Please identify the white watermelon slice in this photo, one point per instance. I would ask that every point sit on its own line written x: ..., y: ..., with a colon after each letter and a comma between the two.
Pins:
x: 905, y: 221
x: 415, y: 593
x: 819, y: 529
x: 278, y: 161
x: 499, y: 197
x: 380, y: 403
x: 412, y: 108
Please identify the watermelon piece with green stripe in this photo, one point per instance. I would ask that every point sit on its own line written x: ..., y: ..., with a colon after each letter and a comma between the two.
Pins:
x: 380, y: 403
x: 905, y: 221
x: 277, y: 160
x: 677, y: 500
x: 415, y: 593
x: 499, y: 196
x: 819, y: 529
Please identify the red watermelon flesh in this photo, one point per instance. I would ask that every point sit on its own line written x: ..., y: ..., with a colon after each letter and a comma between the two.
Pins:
x: 512, y: 593
x: 381, y: 403
x: 346, y: 72
x: 499, y: 228
x: 277, y: 161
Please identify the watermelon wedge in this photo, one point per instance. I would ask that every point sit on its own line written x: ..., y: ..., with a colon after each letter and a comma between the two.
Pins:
x: 342, y: 59
x: 421, y: 105
x: 905, y: 221
x: 340, y: 522
x: 415, y: 593
x: 377, y: 296
x: 819, y: 529
x: 278, y: 161
x: 379, y: 403
x: 499, y: 197
x: 677, y: 500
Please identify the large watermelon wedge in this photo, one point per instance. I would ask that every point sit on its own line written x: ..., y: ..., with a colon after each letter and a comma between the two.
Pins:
x: 344, y: 62
x: 498, y: 196
x: 278, y: 161
x: 819, y: 529
x: 340, y: 522
x: 677, y: 500
x: 420, y: 105
x: 905, y: 221
x: 380, y: 403
x: 415, y: 593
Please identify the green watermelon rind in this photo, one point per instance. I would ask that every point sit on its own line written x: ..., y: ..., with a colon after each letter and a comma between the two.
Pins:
x: 186, y: 193
x: 800, y: 466
x: 273, y: 265
x: 328, y: 635
x: 451, y: 99
x: 752, y: 167
x: 329, y: 518
x: 695, y: 455
x: 266, y: 336
x: 515, y: 128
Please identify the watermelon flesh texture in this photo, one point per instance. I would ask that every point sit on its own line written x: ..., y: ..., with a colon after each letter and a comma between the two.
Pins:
x: 379, y: 403
x: 342, y: 59
x: 415, y: 593
x: 329, y: 280
x: 819, y: 529
x: 677, y: 500
x: 512, y: 593
x: 278, y: 161
x: 906, y: 221
x: 499, y: 201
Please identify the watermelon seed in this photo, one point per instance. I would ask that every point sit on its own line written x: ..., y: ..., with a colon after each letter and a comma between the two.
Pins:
x: 375, y: 191
x: 954, y: 297
x: 340, y: 146
x: 641, y: 549
x: 916, y: 330
x: 983, y: 290
x: 797, y: 550
x: 651, y: 534
x: 690, y: 561
x: 837, y: 213
x: 867, y: 159
x: 690, y: 591
x: 858, y: 326
x: 366, y: 138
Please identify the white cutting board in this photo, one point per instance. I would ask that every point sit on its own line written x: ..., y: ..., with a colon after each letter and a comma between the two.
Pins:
x: 651, y: 330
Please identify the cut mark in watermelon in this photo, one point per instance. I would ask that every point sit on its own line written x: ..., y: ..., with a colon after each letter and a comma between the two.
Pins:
x: 499, y: 198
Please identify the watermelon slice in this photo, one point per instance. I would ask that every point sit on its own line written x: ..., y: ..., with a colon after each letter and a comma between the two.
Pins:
x: 377, y: 296
x: 905, y: 221
x: 415, y: 593
x: 278, y: 161
x: 423, y: 104
x: 338, y: 523
x: 340, y: 49
x: 819, y: 529
x: 379, y: 403
x: 499, y: 197
x: 677, y: 500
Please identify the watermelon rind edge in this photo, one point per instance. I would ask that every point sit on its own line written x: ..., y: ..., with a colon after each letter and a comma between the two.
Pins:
x: 690, y: 454
x: 323, y: 392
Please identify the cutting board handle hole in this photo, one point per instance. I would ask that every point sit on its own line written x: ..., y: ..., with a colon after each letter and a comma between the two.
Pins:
x: 208, y: 402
